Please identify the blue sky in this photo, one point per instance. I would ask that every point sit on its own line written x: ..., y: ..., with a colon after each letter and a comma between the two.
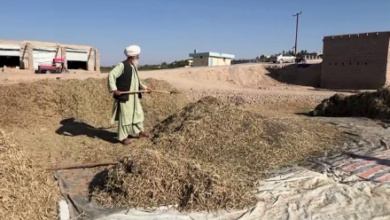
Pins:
x: 169, y: 30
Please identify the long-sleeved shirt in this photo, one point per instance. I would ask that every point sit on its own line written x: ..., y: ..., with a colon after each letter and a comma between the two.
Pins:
x: 117, y: 72
x: 130, y: 112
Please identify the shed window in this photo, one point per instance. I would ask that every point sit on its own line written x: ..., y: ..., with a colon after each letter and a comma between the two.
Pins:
x: 201, y: 57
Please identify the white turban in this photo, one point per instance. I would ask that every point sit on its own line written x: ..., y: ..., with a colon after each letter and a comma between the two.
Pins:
x: 132, y: 50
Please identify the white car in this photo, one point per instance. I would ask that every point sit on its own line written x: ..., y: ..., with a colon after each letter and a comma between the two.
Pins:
x: 283, y: 58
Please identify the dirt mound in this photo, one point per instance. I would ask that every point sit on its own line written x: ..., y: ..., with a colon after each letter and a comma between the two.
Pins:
x: 250, y: 76
x: 367, y: 104
x: 230, y: 147
x: 298, y: 74
x: 37, y: 103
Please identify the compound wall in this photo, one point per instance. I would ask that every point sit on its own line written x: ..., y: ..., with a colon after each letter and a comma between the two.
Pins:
x: 355, y: 61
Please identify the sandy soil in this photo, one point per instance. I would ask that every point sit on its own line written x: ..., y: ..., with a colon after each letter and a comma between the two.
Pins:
x: 251, y: 84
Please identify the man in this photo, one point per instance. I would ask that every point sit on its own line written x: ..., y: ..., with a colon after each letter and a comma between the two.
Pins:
x: 127, y: 107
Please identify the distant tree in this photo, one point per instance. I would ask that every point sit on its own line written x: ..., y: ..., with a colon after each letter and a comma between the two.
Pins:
x: 290, y: 52
x: 303, y: 52
x: 165, y: 65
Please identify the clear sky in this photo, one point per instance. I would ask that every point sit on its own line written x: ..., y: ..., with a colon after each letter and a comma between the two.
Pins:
x: 168, y: 30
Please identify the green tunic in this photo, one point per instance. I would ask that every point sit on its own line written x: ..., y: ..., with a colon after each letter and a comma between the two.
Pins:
x: 130, y: 117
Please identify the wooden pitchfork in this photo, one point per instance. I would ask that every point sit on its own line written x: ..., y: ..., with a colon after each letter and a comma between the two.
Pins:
x: 145, y: 91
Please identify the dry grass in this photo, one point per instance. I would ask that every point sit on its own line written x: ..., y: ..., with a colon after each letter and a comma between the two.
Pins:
x: 37, y: 103
x: 367, y: 104
x: 27, y: 191
x: 229, y: 148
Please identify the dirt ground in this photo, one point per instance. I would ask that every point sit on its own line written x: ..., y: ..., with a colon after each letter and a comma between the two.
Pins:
x: 249, y: 86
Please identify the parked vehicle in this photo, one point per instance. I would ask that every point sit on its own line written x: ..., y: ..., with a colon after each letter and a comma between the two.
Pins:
x: 57, y: 66
x: 282, y: 58
x: 300, y: 59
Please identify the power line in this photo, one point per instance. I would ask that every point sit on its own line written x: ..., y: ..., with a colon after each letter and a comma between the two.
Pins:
x: 296, y: 32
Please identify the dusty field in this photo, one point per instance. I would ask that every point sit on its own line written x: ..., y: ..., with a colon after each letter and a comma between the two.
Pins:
x: 44, y: 141
x: 248, y: 84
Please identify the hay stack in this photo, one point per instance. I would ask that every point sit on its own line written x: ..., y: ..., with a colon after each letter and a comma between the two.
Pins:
x: 158, y: 106
x: 27, y: 191
x: 230, y: 147
x: 367, y: 104
x: 212, y: 132
x: 147, y: 178
x: 48, y: 101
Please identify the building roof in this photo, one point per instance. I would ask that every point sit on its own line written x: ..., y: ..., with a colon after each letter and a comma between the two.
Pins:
x: 358, y: 34
x: 44, y: 44
x: 212, y: 54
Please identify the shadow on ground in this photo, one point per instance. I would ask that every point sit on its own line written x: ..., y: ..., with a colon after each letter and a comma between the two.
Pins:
x: 98, y: 183
x: 297, y: 74
x: 71, y: 127
x: 378, y: 161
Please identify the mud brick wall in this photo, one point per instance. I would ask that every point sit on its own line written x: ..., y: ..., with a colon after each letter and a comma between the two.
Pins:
x: 355, y: 61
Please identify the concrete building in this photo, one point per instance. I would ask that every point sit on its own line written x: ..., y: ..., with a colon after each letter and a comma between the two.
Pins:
x: 190, y: 62
x: 211, y: 59
x: 356, y: 61
x: 28, y: 55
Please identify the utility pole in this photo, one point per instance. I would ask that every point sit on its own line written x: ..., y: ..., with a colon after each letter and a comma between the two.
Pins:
x: 296, y: 32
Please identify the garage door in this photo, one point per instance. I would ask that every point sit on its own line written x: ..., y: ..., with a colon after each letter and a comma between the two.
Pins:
x: 43, y: 56
x: 10, y: 50
x: 76, y: 55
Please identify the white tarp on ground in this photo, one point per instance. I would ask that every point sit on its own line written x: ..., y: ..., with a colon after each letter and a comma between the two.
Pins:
x: 76, y: 55
x: 10, y: 50
x: 43, y: 56
x: 296, y: 195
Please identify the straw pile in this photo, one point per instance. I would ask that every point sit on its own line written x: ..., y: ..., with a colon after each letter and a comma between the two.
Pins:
x: 148, y: 178
x: 27, y: 191
x: 209, y: 155
x: 367, y: 104
x: 33, y: 104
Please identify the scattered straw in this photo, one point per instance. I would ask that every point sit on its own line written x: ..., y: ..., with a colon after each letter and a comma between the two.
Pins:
x: 230, y: 147
x: 367, y: 104
x: 26, y: 191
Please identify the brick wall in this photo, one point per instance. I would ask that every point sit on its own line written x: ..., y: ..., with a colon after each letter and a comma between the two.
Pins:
x: 356, y: 61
